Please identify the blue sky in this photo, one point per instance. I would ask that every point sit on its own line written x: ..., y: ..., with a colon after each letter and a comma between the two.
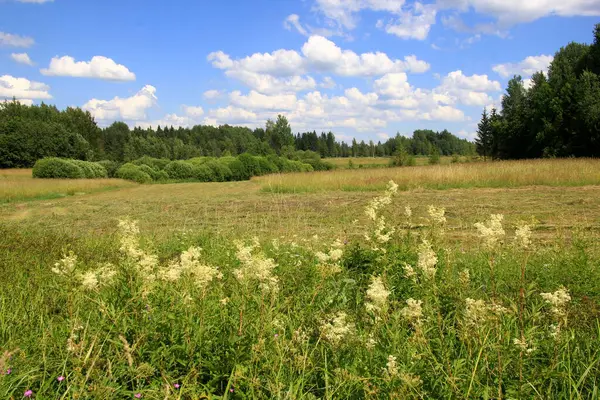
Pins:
x: 361, y: 68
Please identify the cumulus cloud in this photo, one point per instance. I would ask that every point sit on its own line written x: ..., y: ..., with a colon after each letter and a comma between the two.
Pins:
x: 525, y: 68
x: 284, y: 71
x: 129, y: 108
x: 212, y: 94
x: 23, y: 89
x: 257, y: 101
x: 98, y: 67
x: 11, y: 40
x: 193, y: 111
x: 468, y: 90
x: 21, y: 58
x: 412, y: 24
x: 293, y: 21
x: 344, y: 12
x: 169, y: 120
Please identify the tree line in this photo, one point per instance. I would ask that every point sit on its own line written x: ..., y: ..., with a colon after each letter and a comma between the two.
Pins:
x: 557, y: 115
x: 30, y: 133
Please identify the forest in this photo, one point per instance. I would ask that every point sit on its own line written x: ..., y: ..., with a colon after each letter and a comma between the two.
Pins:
x: 557, y: 115
x: 30, y: 133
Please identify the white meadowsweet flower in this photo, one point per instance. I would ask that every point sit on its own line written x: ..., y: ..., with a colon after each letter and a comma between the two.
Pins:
x: 491, y: 232
x: 427, y: 260
x: 377, y: 294
x: 523, y: 236
x: 558, y: 300
x: 335, y: 328
x: 413, y: 311
x: 256, y: 267
x: 66, y: 265
x: 407, y: 211
x: 89, y: 280
x: 391, y: 367
x: 409, y: 272
x: 437, y: 215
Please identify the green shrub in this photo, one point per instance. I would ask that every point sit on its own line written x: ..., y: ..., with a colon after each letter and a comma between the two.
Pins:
x: 200, y: 160
x: 57, y: 168
x: 221, y: 172
x: 150, y: 171
x: 162, y: 176
x: 134, y: 173
x: 238, y: 171
x: 180, y: 170
x: 203, y: 173
x: 91, y: 170
x: 157, y: 164
x: 250, y: 163
x: 434, y: 158
x: 266, y: 166
x: 110, y: 166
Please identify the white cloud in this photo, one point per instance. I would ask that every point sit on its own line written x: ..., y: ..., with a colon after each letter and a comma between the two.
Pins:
x: 212, y: 94
x: 232, y: 115
x: 23, y: 89
x: 383, y: 136
x: 8, y: 39
x: 328, y: 83
x: 293, y: 20
x: 343, y: 11
x: 468, y: 90
x: 258, y: 101
x: 509, y: 12
x: 325, y: 56
x: 412, y: 24
x: 21, y: 58
x: 525, y: 68
x: 129, y: 109
x: 193, y: 111
x: 284, y: 71
x: 98, y: 67
x: 168, y: 120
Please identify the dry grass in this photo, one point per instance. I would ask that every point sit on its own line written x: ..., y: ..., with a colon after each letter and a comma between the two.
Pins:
x: 356, y: 161
x: 18, y: 185
x: 556, y: 172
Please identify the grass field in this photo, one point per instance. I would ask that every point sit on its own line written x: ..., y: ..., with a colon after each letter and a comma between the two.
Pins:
x: 338, y: 297
x: 377, y: 162
x: 18, y: 185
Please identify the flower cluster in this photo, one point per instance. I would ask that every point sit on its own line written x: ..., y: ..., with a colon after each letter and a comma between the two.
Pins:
x: 427, y: 260
x: 189, y: 264
x: 478, y: 312
x: 523, y: 236
x: 413, y: 312
x: 391, y: 367
x: 558, y: 300
x: 66, y: 265
x: 89, y: 280
x: 377, y: 294
x: 256, y: 266
x: 336, y: 327
x: 381, y: 233
x: 437, y: 215
x: 329, y: 263
x: 144, y: 263
x: 491, y: 232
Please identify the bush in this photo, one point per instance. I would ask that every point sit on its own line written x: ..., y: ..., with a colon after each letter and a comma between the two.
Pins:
x: 434, y: 158
x: 91, y: 170
x: 250, y: 163
x: 238, y: 171
x: 111, y: 167
x: 57, y: 168
x: 132, y: 172
x: 203, y: 173
x: 266, y: 166
x: 151, y: 171
x: 221, y: 172
x: 157, y: 164
x: 180, y: 170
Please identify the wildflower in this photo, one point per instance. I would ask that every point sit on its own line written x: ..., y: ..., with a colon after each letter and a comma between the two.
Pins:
x: 522, y: 345
x: 66, y: 265
x: 224, y: 301
x: 89, y: 280
x: 464, y: 277
x: 408, y: 211
x: 137, y: 395
x: 371, y: 342
x: 391, y: 368
x: 523, y: 236
x: 558, y: 300
x: 28, y: 393
x: 377, y: 295
x: 231, y: 390
x: 555, y: 331
x: 336, y: 327
x: 476, y: 312
x: 255, y: 266
x: 276, y: 335
x: 8, y: 371
x: 437, y: 215
x: 409, y: 272
x: 177, y: 386
x: 60, y: 378
x: 492, y: 233
x: 413, y: 311
x: 427, y: 260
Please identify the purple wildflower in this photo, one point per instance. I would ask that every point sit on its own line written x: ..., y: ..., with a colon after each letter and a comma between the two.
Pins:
x: 28, y: 393
x: 60, y: 378
x: 8, y: 371
x: 177, y: 386
x: 137, y: 395
x: 231, y: 390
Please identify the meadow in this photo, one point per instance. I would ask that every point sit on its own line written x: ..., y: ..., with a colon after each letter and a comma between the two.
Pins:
x: 457, y: 281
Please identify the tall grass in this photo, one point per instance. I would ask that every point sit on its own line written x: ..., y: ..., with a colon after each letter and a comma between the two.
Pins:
x: 550, y: 172
x: 401, y: 313
x: 18, y: 185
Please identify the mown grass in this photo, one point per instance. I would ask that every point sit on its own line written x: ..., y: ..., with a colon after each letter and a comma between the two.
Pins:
x: 228, y: 338
x: 18, y: 185
x: 548, y: 172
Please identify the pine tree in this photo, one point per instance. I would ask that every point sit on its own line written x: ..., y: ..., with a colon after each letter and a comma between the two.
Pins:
x: 483, y: 142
